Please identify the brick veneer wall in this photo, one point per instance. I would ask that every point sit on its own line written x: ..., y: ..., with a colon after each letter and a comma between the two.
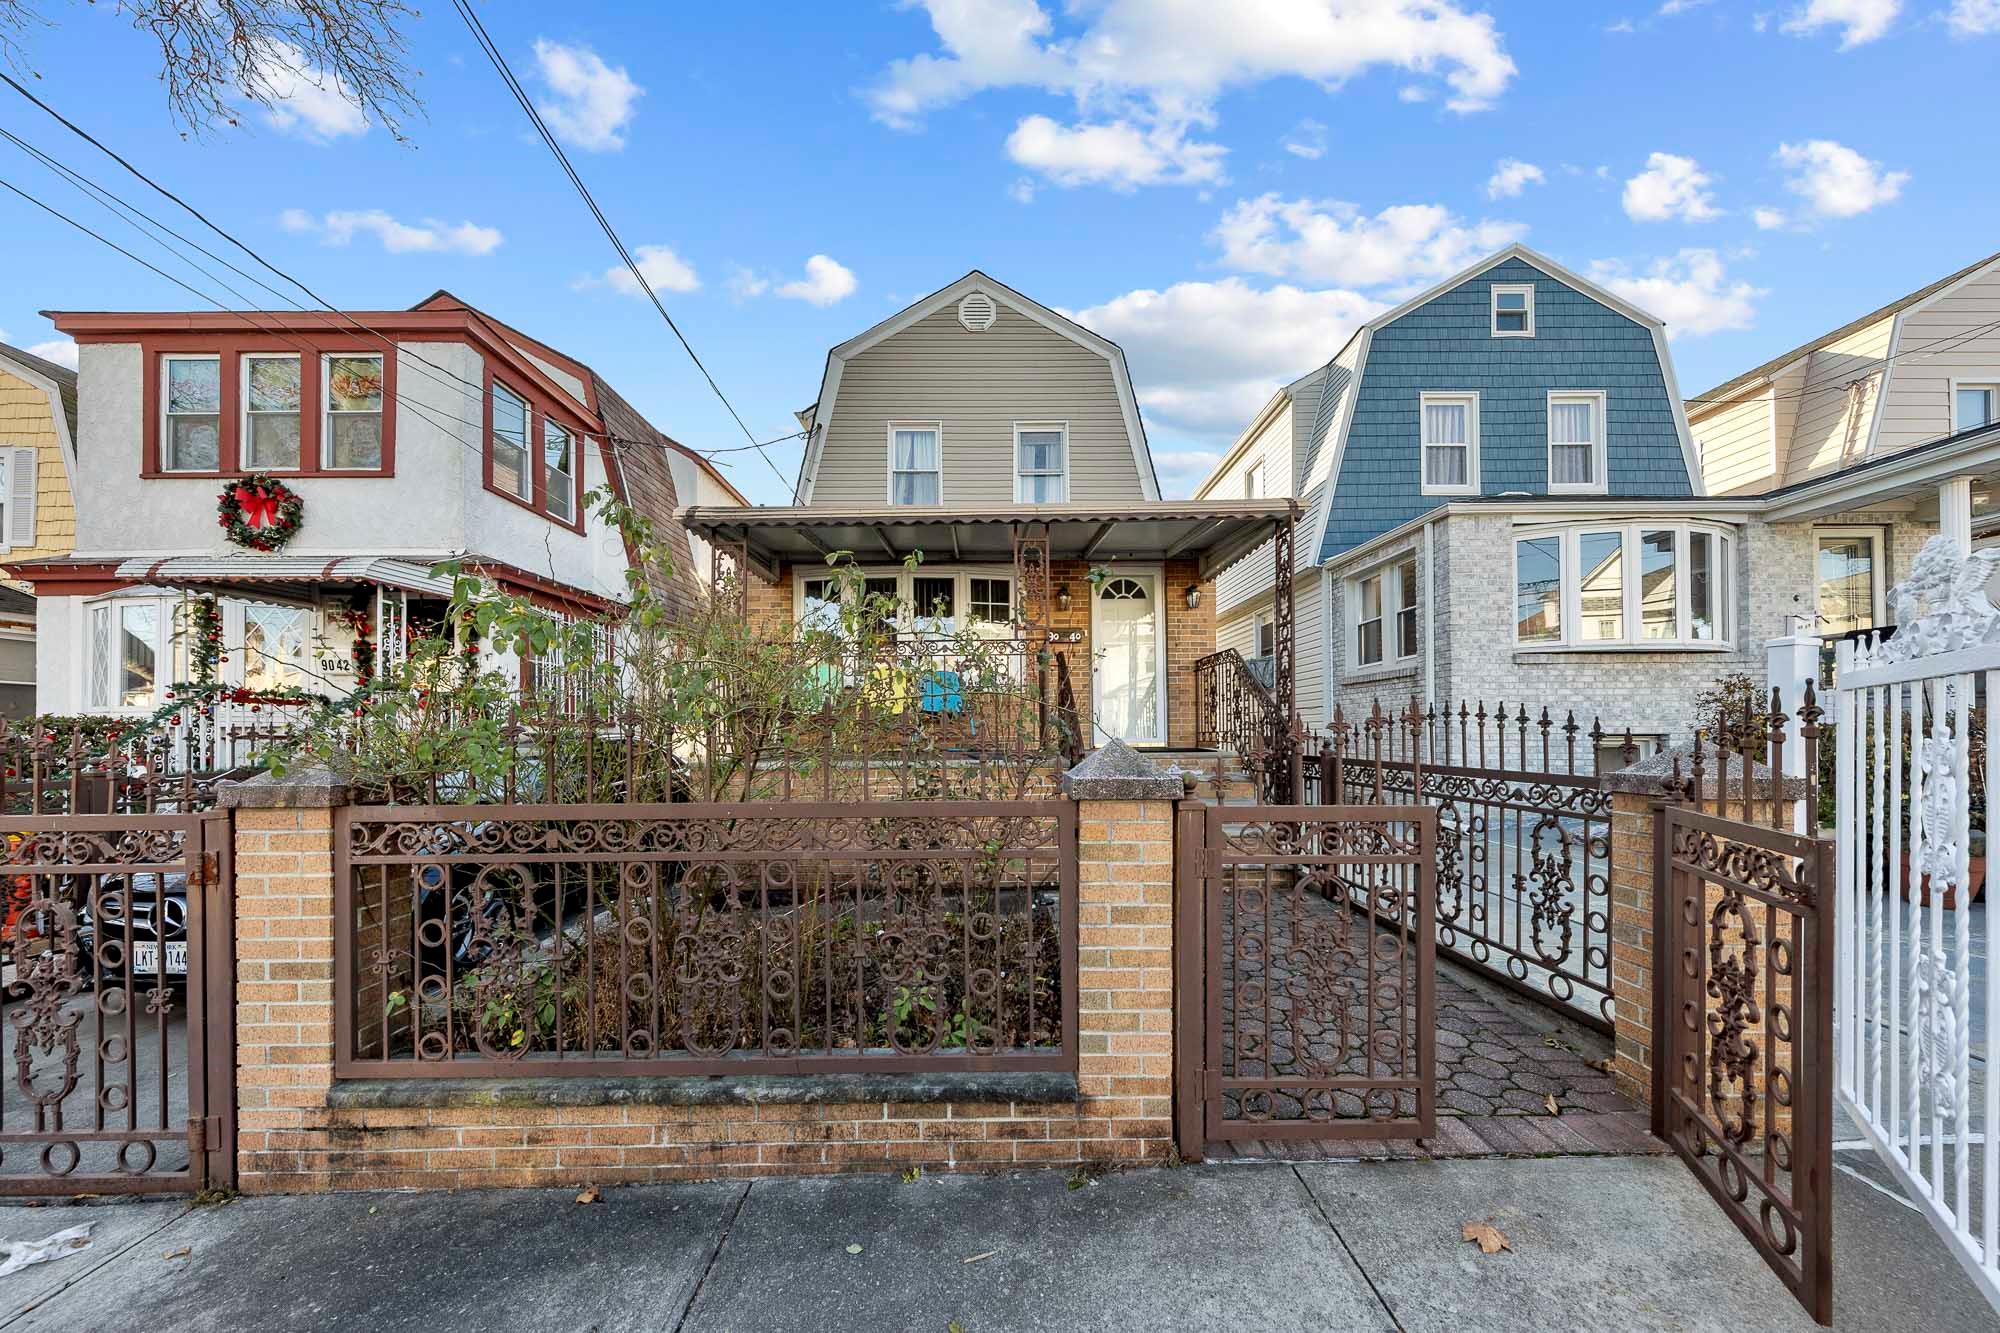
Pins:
x: 295, y: 1133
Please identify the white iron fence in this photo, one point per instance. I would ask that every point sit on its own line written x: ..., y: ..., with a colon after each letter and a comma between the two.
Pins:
x: 1915, y: 769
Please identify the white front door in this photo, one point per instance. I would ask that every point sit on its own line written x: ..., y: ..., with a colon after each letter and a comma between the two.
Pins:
x: 1128, y: 686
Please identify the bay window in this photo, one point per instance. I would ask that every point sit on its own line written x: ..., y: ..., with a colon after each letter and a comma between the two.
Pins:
x: 1406, y: 608
x: 1449, y: 425
x: 271, y: 402
x: 125, y: 646
x: 1663, y: 585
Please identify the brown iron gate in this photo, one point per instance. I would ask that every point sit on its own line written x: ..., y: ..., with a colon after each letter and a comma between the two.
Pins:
x: 1743, y: 1070
x: 119, y: 966
x: 1305, y: 963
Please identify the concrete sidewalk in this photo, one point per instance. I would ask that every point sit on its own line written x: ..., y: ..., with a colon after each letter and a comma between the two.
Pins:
x: 1598, y: 1243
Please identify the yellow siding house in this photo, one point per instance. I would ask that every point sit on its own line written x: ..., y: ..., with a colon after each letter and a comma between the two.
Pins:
x: 37, y: 515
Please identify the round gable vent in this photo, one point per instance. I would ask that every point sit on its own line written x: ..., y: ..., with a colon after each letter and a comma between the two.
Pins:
x: 977, y: 312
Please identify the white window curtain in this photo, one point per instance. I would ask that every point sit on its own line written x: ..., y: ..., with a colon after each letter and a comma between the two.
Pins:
x: 1042, y: 466
x: 914, y: 464
x: 1446, y: 437
x: 1572, y: 443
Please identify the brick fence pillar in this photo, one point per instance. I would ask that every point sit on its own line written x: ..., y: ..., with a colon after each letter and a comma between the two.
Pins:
x: 1634, y: 954
x: 284, y: 971
x: 1125, y: 948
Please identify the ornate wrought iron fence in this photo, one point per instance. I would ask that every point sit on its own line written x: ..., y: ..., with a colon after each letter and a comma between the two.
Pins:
x: 67, y: 769
x: 705, y: 939
x: 119, y: 985
x: 1523, y: 841
x: 1745, y: 970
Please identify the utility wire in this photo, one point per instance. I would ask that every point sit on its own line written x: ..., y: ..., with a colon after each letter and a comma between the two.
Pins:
x: 1902, y: 353
x: 527, y: 104
x: 474, y: 391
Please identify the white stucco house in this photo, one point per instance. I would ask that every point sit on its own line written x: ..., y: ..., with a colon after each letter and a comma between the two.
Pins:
x: 411, y: 437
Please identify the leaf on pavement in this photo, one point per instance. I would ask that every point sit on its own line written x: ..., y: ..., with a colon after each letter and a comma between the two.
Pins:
x: 1554, y: 1108
x: 854, y: 1249
x: 1489, y: 1238
x: 978, y: 1258
x: 590, y: 1194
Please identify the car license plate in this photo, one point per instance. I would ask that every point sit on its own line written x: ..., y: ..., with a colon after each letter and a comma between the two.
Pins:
x: 146, y: 957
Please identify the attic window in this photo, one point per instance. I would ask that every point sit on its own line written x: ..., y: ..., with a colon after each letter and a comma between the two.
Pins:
x: 1513, y: 310
x: 976, y: 312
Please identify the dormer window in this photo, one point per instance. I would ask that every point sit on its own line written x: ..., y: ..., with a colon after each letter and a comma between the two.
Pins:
x: 1513, y: 310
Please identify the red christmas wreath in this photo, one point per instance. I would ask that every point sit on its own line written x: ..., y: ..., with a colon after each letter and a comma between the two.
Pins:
x: 260, y: 512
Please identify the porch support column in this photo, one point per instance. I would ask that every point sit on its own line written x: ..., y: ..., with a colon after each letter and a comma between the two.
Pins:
x: 1955, y: 512
x: 1283, y: 621
x: 1035, y: 607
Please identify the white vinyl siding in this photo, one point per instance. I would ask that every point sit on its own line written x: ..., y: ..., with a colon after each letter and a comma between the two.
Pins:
x: 976, y: 386
x: 1738, y: 444
x: 1959, y: 334
x: 1836, y: 404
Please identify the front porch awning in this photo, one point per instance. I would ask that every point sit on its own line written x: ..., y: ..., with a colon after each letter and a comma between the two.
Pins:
x: 282, y: 575
x: 1217, y: 534
x: 1910, y: 478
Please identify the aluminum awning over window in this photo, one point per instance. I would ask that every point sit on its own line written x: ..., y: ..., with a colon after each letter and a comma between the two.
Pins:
x: 1215, y: 533
x: 247, y: 573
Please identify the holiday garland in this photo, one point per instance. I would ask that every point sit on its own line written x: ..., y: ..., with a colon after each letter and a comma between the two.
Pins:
x: 358, y: 619
x: 260, y: 512
x: 204, y: 628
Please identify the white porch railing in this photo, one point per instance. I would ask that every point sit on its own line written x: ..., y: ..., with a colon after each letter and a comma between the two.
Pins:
x: 1915, y: 754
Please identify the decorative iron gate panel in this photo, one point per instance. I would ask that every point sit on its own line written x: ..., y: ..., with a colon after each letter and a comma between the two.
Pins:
x: 1308, y: 966
x: 1743, y: 1091
x: 119, y: 988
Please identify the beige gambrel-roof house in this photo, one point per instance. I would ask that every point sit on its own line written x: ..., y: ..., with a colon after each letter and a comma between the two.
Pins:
x: 1923, y: 367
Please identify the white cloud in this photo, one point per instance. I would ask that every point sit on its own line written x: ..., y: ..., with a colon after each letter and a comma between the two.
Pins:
x: 1308, y: 138
x: 1511, y: 175
x: 399, y: 238
x: 1974, y: 18
x: 1837, y: 181
x: 1142, y: 72
x: 1768, y: 219
x: 1206, y: 355
x: 311, y: 102
x: 1022, y: 191
x: 1673, y: 7
x: 62, y: 351
x: 1671, y: 186
x: 1325, y: 240
x: 664, y: 271
x: 1120, y: 154
x: 594, y: 101
x: 745, y: 284
x: 1622, y: 26
x: 1691, y: 291
x: 1859, y: 21
x: 826, y: 282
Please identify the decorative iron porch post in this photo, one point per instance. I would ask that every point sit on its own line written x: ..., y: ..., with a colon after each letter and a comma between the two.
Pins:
x: 1035, y: 607
x: 1286, y: 748
x: 727, y: 557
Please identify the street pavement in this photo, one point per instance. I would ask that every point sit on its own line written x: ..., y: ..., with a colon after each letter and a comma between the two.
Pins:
x: 1594, y: 1243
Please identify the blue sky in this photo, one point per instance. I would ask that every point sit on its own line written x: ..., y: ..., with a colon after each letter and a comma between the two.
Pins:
x: 1225, y: 189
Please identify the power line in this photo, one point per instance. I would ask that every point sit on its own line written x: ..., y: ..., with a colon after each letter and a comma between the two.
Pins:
x: 506, y: 73
x: 473, y: 391
x: 1925, y: 348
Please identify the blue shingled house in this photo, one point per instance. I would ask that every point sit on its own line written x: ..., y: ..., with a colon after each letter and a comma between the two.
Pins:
x: 1501, y: 500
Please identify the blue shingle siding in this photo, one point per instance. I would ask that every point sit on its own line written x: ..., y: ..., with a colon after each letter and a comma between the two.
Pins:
x: 1324, y: 410
x: 1445, y: 345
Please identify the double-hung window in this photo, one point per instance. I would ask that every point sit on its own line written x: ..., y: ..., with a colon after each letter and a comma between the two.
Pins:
x: 1630, y: 585
x: 1576, y: 443
x: 1385, y: 614
x: 191, y: 435
x: 1974, y: 405
x: 1513, y: 310
x: 559, y: 470
x: 352, y: 431
x: 915, y: 464
x: 1041, y: 463
x: 1450, y: 437
x: 511, y: 472
x: 271, y: 403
